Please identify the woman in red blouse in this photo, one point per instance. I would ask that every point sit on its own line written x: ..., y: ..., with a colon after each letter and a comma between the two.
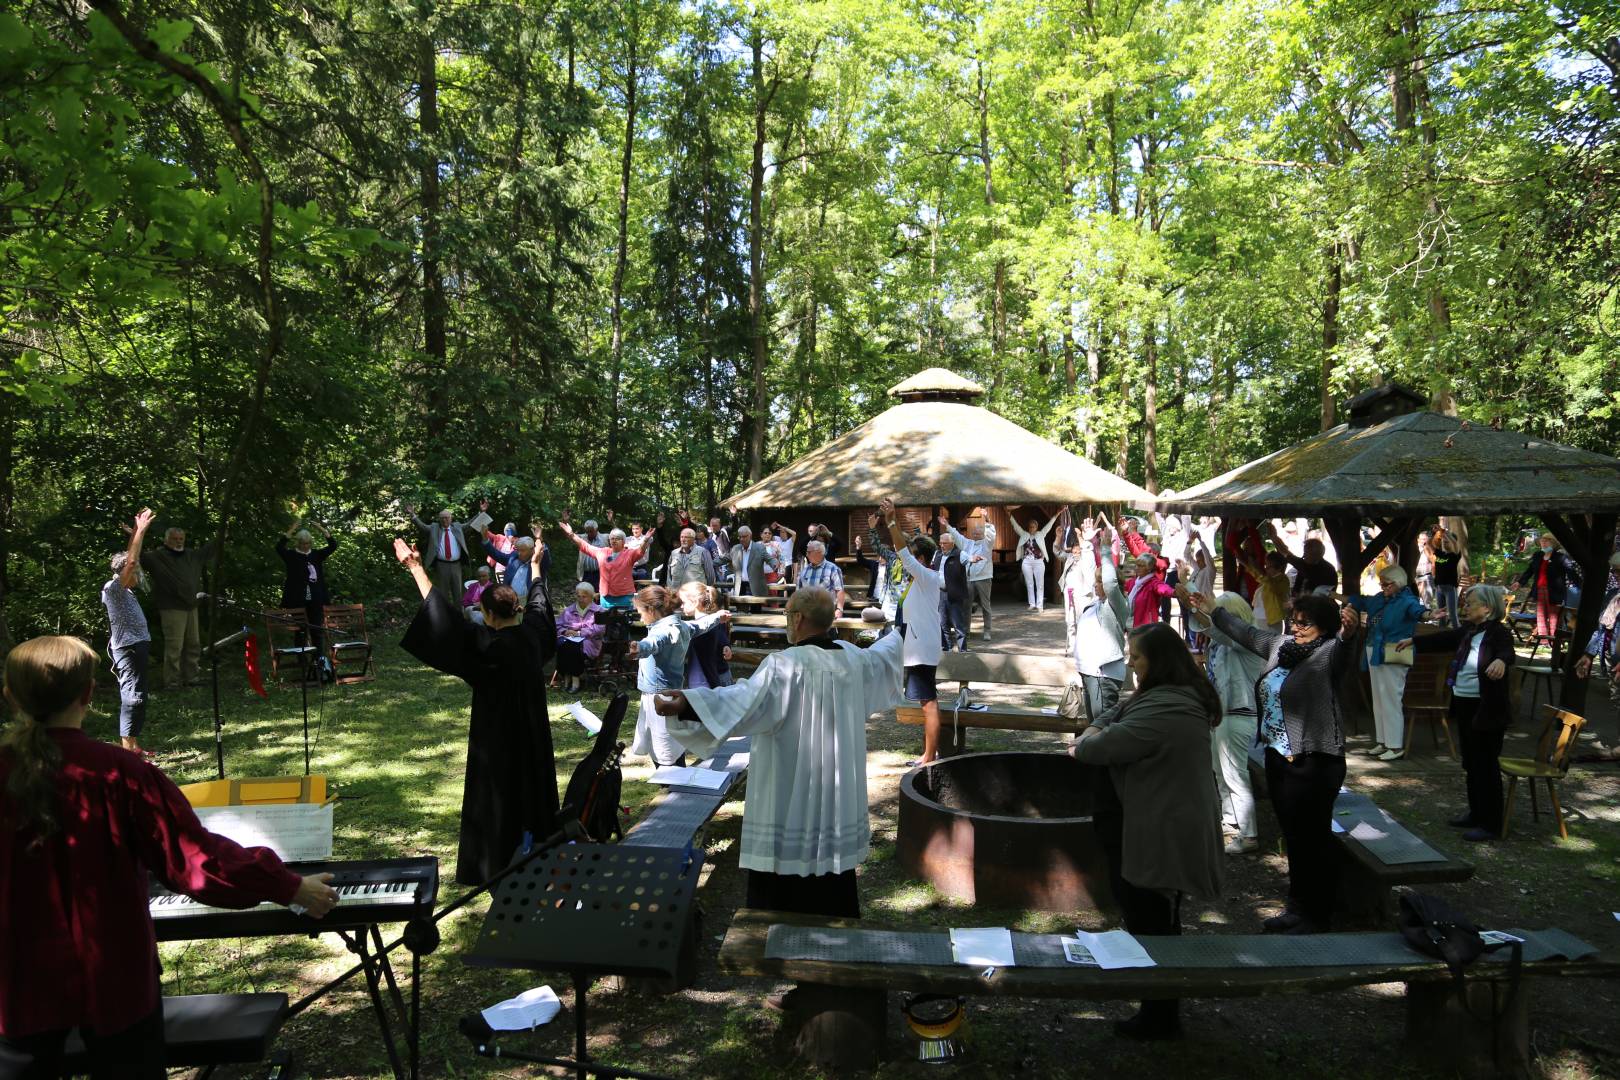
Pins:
x: 81, y: 824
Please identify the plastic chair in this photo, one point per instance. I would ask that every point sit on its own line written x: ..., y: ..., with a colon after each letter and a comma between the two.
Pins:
x: 1551, y: 763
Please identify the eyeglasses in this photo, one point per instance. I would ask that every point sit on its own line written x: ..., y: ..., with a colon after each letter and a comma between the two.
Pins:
x: 1301, y: 624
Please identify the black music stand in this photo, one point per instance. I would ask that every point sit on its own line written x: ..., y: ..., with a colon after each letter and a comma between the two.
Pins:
x: 590, y: 909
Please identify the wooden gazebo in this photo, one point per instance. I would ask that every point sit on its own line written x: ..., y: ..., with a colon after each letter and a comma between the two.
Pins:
x: 1398, y: 467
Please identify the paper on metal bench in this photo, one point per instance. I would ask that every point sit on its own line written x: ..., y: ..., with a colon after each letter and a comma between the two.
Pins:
x: 1389, y: 841
x: 1115, y: 949
x: 692, y: 777
x: 984, y: 946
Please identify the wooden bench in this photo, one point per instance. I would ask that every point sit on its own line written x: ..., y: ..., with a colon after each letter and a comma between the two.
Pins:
x: 206, y: 1030
x: 846, y: 628
x: 838, y: 1016
x: 1047, y: 673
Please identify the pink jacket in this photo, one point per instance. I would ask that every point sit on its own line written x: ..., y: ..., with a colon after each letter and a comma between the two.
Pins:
x: 576, y: 623
x: 1146, y: 596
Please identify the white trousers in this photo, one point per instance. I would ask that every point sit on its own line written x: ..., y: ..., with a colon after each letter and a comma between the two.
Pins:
x: 1388, y: 687
x: 1035, y: 581
x: 652, y: 736
x: 1230, y: 749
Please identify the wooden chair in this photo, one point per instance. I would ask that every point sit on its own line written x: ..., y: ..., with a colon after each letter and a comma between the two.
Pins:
x: 1427, y: 698
x: 291, y: 655
x: 348, y: 644
x: 1558, y: 731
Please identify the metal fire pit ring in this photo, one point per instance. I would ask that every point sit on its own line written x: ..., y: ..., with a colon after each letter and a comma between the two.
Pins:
x: 1005, y: 829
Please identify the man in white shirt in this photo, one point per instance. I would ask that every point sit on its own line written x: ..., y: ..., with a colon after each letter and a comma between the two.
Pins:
x: 445, y: 558
x: 920, y: 613
x: 977, y: 549
x: 806, y: 821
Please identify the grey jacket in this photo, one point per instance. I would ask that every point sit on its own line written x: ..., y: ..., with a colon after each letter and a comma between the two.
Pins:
x: 1234, y: 670
x: 435, y: 540
x: 757, y: 556
x: 1157, y: 748
x: 1310, y: 702
x: 696, y: 565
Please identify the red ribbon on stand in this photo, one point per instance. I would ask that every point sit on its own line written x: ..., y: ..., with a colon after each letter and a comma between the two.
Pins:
x: 250, y: 657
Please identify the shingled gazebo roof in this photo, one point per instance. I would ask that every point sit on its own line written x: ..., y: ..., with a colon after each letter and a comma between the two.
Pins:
x: 936, y: 447
x: 1416, y: 464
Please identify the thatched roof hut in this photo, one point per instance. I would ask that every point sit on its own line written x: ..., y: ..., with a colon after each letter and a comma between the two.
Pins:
x: 937, y: 446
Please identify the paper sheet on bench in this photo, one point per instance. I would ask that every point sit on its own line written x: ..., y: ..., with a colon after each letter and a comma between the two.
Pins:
x: 691, y: 776
x: 528, y: 1010
x: 1115, y: 949
x: 983, y: 946
x: 587, y: 719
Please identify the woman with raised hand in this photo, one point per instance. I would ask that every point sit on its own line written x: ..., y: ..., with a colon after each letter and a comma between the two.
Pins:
x: 1155, y: 808
x: 1032, y: 557
x: 1301, y: 727
x: 82, y: 824
x: 662, y: 667
x: 509, y: 796
x: 1392, y: 617
x: 1234, y: 670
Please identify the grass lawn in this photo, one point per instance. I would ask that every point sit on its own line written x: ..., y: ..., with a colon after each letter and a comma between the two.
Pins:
x: 395, y: 749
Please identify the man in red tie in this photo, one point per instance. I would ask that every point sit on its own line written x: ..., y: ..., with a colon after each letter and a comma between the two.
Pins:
x: 445, y: 553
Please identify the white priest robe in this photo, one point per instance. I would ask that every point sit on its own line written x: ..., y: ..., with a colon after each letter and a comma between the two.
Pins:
x: 805, y: 710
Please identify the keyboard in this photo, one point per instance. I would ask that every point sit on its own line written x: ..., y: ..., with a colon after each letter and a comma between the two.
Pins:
x: 369, y: 892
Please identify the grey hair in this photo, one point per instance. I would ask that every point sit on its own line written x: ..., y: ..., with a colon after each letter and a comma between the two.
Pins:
x: 523, y: 542
x: 118, y: 562
x: 815, y: 545
x: 616, y: 534
x: 589, y: 524
x: 1494, y: 597
x: 303, y: 536
x: 744, y: 530
x: 1395, y: 575
x: 481, y: 571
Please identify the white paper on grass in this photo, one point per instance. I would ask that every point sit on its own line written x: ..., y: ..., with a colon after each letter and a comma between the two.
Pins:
x: 528, y: 1010
x: 1115, y: 949
x: 691, y: 776
x: 296, y: 832
x: 984, y: 946
x: 587, y: 719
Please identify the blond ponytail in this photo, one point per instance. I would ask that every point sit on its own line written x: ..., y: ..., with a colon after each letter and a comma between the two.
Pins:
x: 44, y: 677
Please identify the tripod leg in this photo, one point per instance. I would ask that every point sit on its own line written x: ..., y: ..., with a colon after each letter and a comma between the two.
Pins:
x: 358, y: 945
x: 582, y: 983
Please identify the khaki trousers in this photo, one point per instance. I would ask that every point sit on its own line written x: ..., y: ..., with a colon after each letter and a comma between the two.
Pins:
x: 182, y: 648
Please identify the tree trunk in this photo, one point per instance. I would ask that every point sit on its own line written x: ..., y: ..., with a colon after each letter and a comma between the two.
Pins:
x: 435, y: 341
x: 1150, y: 410
x: 1330, y: 330
x: 610, y: 470
x: 998, y: 297
x: 8, y: 494
x: 758, y: 413
x: 1122, y: 456
x: 1093, y: 390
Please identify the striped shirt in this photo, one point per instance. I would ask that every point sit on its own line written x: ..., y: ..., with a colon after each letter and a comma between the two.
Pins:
x: 826, y: 575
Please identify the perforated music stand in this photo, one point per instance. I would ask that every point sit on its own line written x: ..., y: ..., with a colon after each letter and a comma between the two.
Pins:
x: 590, y: 909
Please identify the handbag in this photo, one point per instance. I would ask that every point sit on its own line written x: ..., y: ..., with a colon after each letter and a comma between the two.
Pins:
x: 1434, y: 928
x: 1403, y: 657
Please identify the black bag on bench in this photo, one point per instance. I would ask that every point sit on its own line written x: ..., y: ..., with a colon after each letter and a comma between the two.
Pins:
x: 1435, y: 928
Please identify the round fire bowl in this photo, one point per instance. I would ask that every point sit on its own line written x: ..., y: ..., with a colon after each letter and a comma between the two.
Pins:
x: 1004, y: 830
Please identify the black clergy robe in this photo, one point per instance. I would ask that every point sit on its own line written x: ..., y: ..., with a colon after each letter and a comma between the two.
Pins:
x: 511, y: 785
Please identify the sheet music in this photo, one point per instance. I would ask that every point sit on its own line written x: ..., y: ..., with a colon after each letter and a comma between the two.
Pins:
x: 710, y: 779
x: 296, y: 832
x: 587, y: 719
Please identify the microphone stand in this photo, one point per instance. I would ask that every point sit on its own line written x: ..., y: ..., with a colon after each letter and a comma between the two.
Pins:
x: 303, y: 675
x: 213, y: 663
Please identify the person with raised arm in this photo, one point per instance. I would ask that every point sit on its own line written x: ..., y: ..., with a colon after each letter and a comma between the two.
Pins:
x: 175, y: 573
x: 509, y: 796
x: 446, y: 557
x: 1032, y: 557
x: 978, y: 553
x: 129, y: 641
x: 616, y: 564
x: 303, y: 583
x: 919, y: 611
x: 82, y: 825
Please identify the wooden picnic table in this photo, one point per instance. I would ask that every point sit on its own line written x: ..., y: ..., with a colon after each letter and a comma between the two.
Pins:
x: 848, y: 629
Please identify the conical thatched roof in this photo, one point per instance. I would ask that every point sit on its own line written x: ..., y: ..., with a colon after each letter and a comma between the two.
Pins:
x: 1419, y: 463
x: 925, y: 451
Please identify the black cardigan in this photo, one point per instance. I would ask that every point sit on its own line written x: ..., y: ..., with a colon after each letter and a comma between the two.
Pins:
x: 1561, y: 571
x: 1495, y: 703
x: 298, y: 564
x: 954, y: 571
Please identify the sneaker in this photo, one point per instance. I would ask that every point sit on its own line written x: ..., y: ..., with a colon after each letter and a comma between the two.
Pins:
x: 1393, y: 754
x: 1376, y: 750
x: 1242, y: 845
x: 1477, y: 835
x: 985, y: 636
x: 1464, y: 822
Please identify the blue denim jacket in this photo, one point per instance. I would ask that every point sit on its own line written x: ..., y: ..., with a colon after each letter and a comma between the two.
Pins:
x: 663, y: 652
x: 1389, y: 619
